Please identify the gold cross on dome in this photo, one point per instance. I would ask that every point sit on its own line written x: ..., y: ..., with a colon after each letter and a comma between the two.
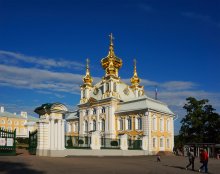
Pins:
x: 135, y: 62
x: 111, y: 38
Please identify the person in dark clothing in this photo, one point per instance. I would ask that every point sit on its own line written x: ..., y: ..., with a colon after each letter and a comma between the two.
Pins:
x: 191, y: 158
x: 158, y: 158
x: 204, y: 160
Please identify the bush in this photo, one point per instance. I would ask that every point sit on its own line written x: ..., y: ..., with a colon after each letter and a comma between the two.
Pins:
x: 114, y: 143
x: 80, y: 141
x: 20, y: 140
x: 69, y: 143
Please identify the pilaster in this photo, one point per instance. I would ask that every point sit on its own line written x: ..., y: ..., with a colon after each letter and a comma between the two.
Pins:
x: 124, y: 142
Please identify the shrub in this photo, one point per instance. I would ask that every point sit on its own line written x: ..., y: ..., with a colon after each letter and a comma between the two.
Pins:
x: 22, y: 140
x: 80, y: 141
x: 69, y: 143
x: 114, y: 143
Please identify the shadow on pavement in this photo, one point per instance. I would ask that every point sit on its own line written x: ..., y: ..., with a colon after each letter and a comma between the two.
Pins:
x: 182, y: 168
x: 17, y: 168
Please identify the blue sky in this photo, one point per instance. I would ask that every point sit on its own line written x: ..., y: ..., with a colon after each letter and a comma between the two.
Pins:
x: 44, y: 44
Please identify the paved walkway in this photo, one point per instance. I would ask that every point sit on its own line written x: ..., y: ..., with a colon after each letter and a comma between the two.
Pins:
x: 25, y: 164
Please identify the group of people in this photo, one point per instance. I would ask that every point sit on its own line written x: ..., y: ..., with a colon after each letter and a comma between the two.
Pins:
x: 203, y: 159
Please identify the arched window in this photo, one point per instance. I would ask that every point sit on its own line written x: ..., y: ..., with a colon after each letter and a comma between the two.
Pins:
x: 107, y: 87
x: 161, y: 124
x: 3, y: 121
x: 129, y: 124
x: 154, y: 124
x: 103, y: 109
x: 114, y: 87
x: 86, y: 126
x: 94, y: 125
x: 139, y: 123
x: 87, y: 112
x: 94, y: 111
x: 84, y: 94
x: 9, y: 122
x: 168, y: 125
x: 103, y: 125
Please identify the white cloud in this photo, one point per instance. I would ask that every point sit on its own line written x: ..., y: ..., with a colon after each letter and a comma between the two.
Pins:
x: 32, y: 78
x: 178, y: 85
x: 8, y: 57
x: 201, y: 17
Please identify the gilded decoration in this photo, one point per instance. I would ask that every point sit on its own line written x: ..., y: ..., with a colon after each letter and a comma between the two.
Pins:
x: 96, y: 91
x: 135, y: 80
x: 111, y: 64
x: 126, y: 91
x: 87, y: 78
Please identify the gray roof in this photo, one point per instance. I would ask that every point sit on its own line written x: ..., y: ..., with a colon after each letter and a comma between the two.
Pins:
x: 72, y: 115
x: 11, y: 115
x: 141, y: 103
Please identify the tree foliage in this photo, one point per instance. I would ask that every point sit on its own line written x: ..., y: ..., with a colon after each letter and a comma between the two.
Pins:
x: 201, y: 123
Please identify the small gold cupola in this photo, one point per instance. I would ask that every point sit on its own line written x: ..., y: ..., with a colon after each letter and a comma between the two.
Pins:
x: 87, y: 78
x: 111, y: 63
x: 135, y: 80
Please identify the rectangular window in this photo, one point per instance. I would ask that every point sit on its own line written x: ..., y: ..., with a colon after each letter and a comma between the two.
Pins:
x: 103, y: 125
x: 121, y: 124
x: 129, y: 124
x: 154, y: 142
x: 168, y: 125
x: 168, y: 143
x: 161, y: 142
x: 154, y: 124
x: 139, y: 123
x: 161, y: 124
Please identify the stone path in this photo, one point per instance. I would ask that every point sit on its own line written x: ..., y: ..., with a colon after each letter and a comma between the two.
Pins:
x: 26, y: 164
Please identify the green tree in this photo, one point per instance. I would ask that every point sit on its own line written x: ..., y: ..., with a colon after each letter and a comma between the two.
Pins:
x: 201, y: 124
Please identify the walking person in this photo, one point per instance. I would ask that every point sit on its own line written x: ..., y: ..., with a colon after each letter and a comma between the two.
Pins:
x: 191, y: 158
x: 204, y: 160
x: 158, y: 158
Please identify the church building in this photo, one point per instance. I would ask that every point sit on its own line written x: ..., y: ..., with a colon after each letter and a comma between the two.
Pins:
x: 114, y: 108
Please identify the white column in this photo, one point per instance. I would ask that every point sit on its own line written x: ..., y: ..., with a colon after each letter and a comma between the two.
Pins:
x: 149, y: 133
x: 81, y: 122
x: 172, y: 133
x: 59, y: 135
x: 95, y: 140
x: 104, y: 87
x: 62, y: 134
x: 106, y: 120
x: 55, y: 135
x: 124, y: 142
x: 40, y: 135
x: 81, y: 93
x: 145, y: 143
x: 111, y: 85
x: 52, y: 134
x: 98, y: 111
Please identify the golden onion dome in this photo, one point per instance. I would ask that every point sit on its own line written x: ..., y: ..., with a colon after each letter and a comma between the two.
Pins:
x: 135, y: 80
x: 111, y: 63
x: 87, y: 78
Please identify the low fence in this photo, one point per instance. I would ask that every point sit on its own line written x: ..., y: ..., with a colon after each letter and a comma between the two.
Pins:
x: 7, y: 142
x: 108, y: 143
x: 77, y: 142
x: 84, y: 142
